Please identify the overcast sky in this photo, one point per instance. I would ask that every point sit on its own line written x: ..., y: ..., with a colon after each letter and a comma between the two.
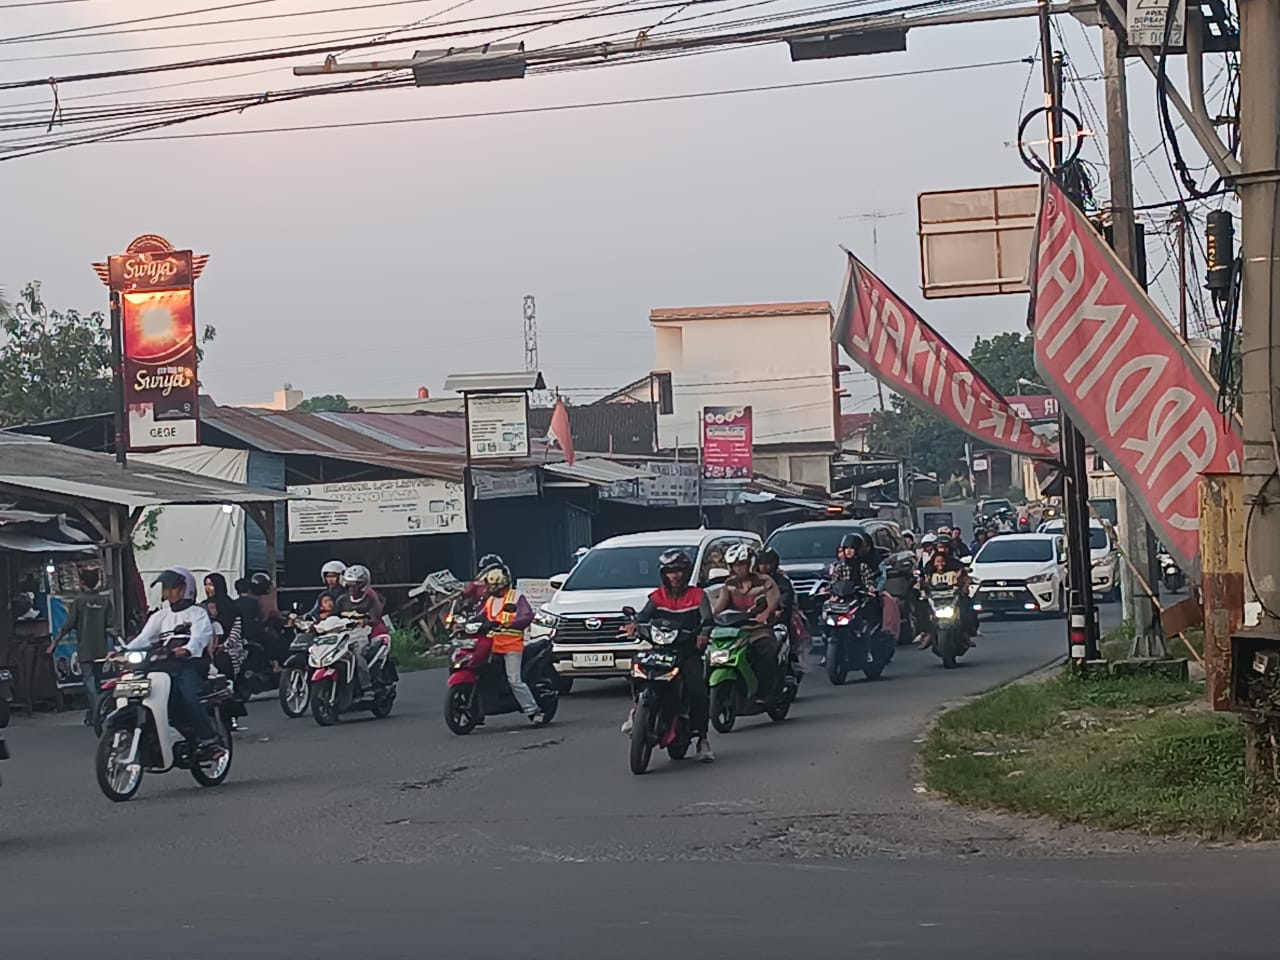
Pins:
x: 371, y: 260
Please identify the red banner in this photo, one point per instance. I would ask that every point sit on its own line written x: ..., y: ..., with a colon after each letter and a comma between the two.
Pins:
x: 726, y: 443
x: 891, y: 341
x: 1124, y: 377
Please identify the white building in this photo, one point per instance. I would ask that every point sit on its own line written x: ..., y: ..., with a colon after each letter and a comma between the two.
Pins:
x: 778, y: 358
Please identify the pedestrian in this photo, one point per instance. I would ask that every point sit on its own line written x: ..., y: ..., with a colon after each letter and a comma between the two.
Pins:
x: 92, y: 617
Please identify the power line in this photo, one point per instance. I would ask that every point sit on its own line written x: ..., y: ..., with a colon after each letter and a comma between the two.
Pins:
x: 52, y: 34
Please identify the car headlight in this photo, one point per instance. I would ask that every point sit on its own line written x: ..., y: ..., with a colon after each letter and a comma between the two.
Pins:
x: 720, y: 657
x: 1103, y: 562
x: 135, y: 656
x: 1040, y: 578
x: 545, y: 618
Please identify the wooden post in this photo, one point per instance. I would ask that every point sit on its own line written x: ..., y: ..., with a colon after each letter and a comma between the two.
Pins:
x: 1222, y: 578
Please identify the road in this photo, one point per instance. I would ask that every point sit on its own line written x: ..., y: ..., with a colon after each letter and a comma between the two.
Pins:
x: 390, y: 838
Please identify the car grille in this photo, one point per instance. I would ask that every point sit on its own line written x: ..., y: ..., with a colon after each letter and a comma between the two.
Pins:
x: 1003, y: 584
x: 804, y: 585
x: 576, y: 629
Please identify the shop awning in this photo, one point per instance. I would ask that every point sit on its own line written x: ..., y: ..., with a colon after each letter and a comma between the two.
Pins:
x: 597, y: 472
x: 20, y: 542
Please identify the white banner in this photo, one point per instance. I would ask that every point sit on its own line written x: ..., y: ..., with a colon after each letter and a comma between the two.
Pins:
x: 536, y: 591
x: 498, y: 425
x: 377, y: 508
x: 498, y: 484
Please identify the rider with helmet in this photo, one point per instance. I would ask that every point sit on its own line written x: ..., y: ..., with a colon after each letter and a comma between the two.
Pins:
x: 331, y: 575
x: 742, y: 591
x: 859, y: 563
x: 509, y: 615
x: 679, y: 602
x: 767, y: 564
x: 361, y: 599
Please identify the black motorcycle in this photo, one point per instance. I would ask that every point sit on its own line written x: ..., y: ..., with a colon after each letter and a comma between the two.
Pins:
x: 662, y: 701
x: 295, y: 677
x: 855, y: 640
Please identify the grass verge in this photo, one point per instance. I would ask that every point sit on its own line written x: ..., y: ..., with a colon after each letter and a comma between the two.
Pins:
x: 1135, y: 753
x: 411, y: 653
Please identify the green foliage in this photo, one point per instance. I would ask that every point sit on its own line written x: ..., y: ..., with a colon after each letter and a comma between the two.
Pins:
x: 1003, y: 359
x: 411, y: 653
x: 55, y: 364
x: 326, y: 403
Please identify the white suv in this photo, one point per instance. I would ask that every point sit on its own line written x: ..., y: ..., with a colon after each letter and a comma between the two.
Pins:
x: 584, y: 616
x: 1021, y: 573
x: 1103, y: 553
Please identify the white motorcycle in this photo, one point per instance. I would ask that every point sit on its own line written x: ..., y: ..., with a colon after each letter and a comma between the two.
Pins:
x: 138, y: 736
x: 335, y: 680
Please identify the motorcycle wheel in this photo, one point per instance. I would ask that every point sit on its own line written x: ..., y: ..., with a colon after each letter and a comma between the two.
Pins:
x: 778, y: 712
x: 874, y: 669
x: 679, y: 749
x: 212, y: 774
x: 324, y: 706
x: 106, y: 704
x: 548, y: 706
x: 724, y: 707
x: 837, y: 670
x: 295, y: 692
x: 564, y: 684
x: 459, y: 715
x: 116, y: 785
x: 641, y: 746
x: 382, y: 705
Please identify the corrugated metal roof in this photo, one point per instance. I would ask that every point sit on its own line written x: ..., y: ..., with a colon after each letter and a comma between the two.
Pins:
x: 36, y: 466
x: 597, y: 471
x: 495, y: 382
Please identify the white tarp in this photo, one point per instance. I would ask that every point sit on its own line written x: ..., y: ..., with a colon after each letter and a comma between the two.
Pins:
x: 200, y: 537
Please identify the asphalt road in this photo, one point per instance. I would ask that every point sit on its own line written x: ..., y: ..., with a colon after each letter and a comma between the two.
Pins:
x: 394, y: 838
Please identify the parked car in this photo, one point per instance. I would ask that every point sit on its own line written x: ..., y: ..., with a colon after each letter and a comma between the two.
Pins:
x: 1021, y: 573
x: 584, y: 617
x: 1103, y: 553
x: 805, y: 550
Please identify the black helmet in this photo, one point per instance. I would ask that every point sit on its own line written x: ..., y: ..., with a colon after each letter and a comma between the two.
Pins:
x: 768, y: 555
x: 490, y: 561
x: 673, y: 560
x: 260, y: 584
x: 853, y: 539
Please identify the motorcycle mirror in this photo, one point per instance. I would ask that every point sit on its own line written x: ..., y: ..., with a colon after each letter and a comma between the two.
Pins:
x: 629, y: 611
x: 967, y: 561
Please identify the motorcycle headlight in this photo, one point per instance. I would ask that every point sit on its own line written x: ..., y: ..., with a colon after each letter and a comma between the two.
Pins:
x: 663, y: 638
x: 720, y: 657
x: 135, y: 656
x: 545, y: 618
x: 945, y: 613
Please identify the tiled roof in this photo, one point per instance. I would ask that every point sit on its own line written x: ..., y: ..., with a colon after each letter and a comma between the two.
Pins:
x: 800, y: 308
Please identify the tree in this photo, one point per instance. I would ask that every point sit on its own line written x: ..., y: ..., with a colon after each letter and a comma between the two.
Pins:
x: 326, y: 403
x: 1005, y: 358
x: 54, y: 364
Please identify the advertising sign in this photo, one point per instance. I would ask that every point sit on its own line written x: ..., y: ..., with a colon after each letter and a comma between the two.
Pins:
x: 536, y: 591
x: 498, y: 425
x: 153, y: 302
x: 893, y: 343
x: 1131, y: 387
x: 497, y: 485
x: 1148, y: 20
x: 377, y: 508
x: 726, y: 443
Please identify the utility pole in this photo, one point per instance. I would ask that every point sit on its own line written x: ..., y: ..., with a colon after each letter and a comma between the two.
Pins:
x: 1139, y: 541
x: 1259, y: 188
x: 1082, y: 615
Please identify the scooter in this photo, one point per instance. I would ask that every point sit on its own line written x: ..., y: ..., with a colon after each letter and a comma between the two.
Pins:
x: 1171, y: 575
x: 477, y: 685
x: 138, y: 736
x: 854, y: 638
x: 295, y: 674
x: 735, y: 687
x: 661, y: 720
x: 335, y: 679
x: 950, y: 640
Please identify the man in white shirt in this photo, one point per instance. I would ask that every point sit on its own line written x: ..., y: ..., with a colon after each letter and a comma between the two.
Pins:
x: 192, y: 633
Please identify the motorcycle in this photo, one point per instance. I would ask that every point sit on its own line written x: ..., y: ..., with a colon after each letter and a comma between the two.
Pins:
x: 662, y: 703
x: 735, y: 689
x: 950, y: 640
x: 1171, y: 575
x: 335, y: 679
x: 295, y: 674
x: 854, y: 638
x: 138, y: 737
x: 477, y: 685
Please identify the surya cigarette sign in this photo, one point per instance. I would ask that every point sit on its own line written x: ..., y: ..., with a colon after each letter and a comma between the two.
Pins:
x: 1126, y: 380
x: 153, y: 302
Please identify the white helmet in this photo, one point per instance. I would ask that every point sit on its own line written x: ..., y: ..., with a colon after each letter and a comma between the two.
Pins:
x: 739, y: 553
x: 333, y: 566
x: 929, y: 539
x: 356, y: 575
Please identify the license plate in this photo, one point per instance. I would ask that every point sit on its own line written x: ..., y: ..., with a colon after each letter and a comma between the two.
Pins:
x: 593, y: 659
x: 1004, y: 595
x: 127, y: 689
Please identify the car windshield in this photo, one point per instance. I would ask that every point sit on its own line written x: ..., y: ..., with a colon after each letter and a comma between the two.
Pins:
x: 809, y: 543
x: 1016, y: 550
x: 995, y: 506
x: 622, y: 568
x: 1098, y: 539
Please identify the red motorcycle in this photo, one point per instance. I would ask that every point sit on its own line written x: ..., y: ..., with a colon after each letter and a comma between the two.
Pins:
x: 478, y: 680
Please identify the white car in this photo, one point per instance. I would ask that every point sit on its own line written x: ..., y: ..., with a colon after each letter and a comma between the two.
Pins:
x: 584, y: 617
x: 1021, y: 573
x: 1104, y: 555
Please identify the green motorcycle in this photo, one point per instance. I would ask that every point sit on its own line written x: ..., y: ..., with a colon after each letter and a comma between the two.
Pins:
x: 735, y: 687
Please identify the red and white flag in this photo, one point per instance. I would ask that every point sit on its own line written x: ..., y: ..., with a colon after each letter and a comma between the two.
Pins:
x: 559, y: 433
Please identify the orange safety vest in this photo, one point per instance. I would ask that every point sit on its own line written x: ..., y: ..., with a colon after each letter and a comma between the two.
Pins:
x: 502, y: 611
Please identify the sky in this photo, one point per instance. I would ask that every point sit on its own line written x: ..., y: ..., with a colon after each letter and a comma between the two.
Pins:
x: 372, y: 260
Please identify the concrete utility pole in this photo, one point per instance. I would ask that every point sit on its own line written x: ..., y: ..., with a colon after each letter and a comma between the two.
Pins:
x: 1259, y: 188
x: 1139, y: 541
